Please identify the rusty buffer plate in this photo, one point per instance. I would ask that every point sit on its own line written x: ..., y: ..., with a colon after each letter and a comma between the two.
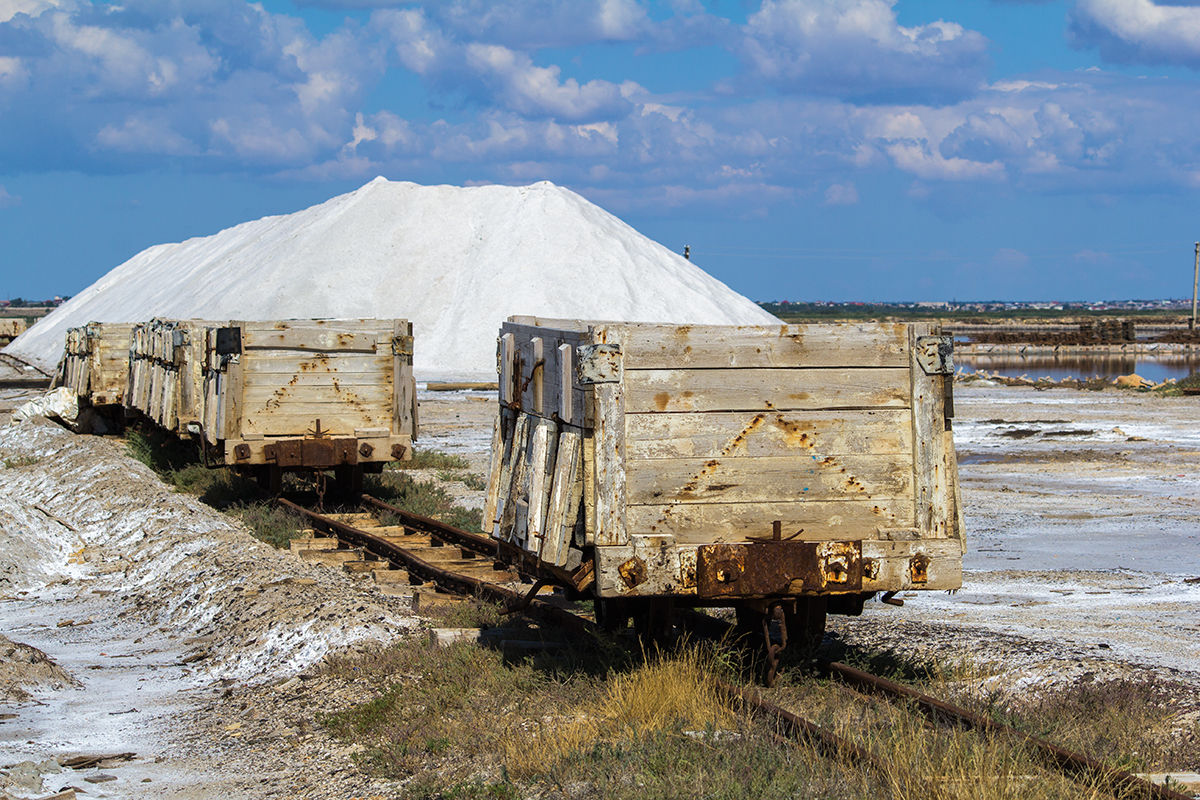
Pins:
x: 761, y: 569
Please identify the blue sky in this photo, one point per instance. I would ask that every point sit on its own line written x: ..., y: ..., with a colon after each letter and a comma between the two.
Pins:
x: 804, y: 149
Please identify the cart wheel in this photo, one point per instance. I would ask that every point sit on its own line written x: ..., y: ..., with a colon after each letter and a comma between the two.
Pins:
x: 612, y: 614
x: 806, y: 625
x: 348, y: 481
x: 654, y: 620
x: 270, y: 478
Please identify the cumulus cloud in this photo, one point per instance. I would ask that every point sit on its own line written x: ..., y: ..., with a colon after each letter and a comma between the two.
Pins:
x: 520, y: 24
x: 169, y: 79
x: 1137, y: 31
x: 224, y: 84
x: 856, y: 49
x: 495, y: 75
x: 841, y: 194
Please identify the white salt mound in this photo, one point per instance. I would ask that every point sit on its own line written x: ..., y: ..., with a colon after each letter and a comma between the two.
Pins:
x: 455, y: 261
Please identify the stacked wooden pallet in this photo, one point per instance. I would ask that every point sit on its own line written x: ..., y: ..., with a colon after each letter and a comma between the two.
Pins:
x: 94, y: 362
x: 166, y: 361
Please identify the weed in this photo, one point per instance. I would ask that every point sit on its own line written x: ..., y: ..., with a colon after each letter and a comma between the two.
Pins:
x: 270, y: 523
x: 422, y: 498
x: 430, y: 459
x: 20, y: 461
x: 470, y: 479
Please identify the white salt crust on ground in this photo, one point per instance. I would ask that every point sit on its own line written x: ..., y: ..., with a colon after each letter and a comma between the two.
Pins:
x: 1050, y: 594
x: 456, y: 261
x: 151, y: 600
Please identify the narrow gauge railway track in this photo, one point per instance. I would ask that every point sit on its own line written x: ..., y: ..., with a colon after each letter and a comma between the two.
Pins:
x: 422, y: 535
x: 40, y: 379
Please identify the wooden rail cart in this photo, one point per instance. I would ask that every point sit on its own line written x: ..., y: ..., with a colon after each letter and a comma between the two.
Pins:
x: 309, y: 395
x: 787, y: 471
x: 95, y: 363
x: 10, y: 328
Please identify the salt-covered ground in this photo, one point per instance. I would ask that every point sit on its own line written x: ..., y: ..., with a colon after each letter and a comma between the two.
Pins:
x: 1083, y: 519
x: 1081, y: 512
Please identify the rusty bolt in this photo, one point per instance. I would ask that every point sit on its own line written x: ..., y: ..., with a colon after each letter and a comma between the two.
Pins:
x: 365, y: 449
x: 241, y: 452
x: 633, y: 572
x: 918, y: 568
x: 398, y: 451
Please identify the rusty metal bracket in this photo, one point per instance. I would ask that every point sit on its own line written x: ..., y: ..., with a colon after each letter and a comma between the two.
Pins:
x: 516, y: 608
x: 774, y: 568
x: 935, y: 354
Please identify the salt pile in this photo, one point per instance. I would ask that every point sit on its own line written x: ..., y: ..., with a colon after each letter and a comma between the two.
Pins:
x: 455, y: 261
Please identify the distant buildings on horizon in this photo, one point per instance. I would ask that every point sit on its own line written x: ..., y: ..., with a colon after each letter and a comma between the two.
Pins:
x: 991, y: 305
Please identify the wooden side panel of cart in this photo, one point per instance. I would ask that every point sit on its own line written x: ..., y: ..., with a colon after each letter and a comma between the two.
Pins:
x: 314, y: 378
x: 95, y: 362
x: 692, y: 436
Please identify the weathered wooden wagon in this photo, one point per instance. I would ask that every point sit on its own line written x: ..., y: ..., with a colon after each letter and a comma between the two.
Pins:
x: 95, y: 362
x: 786, y: 471
x: 10, y: 328
x: 309, y: 395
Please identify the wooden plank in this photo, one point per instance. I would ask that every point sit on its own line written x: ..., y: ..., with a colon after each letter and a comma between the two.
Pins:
x: 334, y: 420
x: 285, y: 363
x: 565, y: 492
x: 540, y: 387
x: 369, y: 399
x: 404, y: 386
x: 574, y: 332
x: 589, y: 486
x: 511, y: 480
x: 610, y: 464
x: 705, y: 523
x: 566, y: 382
x: 231, y: 399
x: 543, y: 450
x: 929, y: 460
x: 537, y: 375
x: 506, y: 353
x: 767, y: 433
x: 744, y: 347
x: 317, y: 335
x: 671, y: 390
x: 496, y: 469
x: 769, y: 479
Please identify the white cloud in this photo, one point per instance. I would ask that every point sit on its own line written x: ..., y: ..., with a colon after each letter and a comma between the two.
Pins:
x: 918, y: 159
x: 841, y: 194
x: 523, y: 24
x: 1138, y: 31
x: 857, y: 49
x: 7, y: 200
x: 537, y: 91
x: 10, y: 8
x: 144, y: 135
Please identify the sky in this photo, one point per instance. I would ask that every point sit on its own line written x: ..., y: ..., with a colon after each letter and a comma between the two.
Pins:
x: 807, y: 150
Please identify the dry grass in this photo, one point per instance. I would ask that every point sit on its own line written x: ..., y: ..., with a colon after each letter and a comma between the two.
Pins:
x: 669, y: 693
x: 460, y: 722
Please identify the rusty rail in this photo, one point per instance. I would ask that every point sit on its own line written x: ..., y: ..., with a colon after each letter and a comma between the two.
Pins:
x: 825, y: 742
x: 444, y: 579
x: 1115, y: 781
x: 829, y: 744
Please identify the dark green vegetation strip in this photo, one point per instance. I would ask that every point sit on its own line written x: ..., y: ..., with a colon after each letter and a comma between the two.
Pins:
x: 178, y: 464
